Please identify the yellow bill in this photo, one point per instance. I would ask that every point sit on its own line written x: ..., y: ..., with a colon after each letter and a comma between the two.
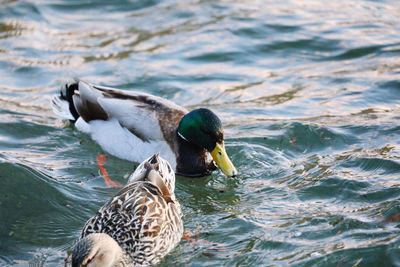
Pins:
x: 221, y: 158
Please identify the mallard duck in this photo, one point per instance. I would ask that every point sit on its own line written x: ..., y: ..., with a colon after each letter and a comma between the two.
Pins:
x: 138, y: 226
x: 134, y: 125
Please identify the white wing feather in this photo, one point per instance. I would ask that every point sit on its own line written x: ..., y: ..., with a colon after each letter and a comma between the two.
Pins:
x: 130, y: 115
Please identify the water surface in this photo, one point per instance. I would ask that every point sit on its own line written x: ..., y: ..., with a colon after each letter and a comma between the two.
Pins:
x: 308, y: 92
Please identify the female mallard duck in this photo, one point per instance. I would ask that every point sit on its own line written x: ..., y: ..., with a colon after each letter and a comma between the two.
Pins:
x: 138, y: 226
x: 134, y: 125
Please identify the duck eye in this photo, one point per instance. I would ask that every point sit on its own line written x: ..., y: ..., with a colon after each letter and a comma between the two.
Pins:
x: 220, y: 153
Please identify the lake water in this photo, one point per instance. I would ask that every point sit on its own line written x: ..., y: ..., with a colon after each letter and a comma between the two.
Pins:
x: 308, y: 92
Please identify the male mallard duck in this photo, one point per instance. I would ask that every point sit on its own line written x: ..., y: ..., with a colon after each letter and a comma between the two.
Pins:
x: 138, y: 226
x: 133, y: 125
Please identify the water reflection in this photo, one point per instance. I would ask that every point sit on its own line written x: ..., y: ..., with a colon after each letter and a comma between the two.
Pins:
x: 307, y: 92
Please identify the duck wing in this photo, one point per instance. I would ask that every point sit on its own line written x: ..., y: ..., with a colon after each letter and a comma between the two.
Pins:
x: 147, y: 116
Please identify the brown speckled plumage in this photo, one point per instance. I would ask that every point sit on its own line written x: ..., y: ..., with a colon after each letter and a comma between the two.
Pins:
x: 144, y: 217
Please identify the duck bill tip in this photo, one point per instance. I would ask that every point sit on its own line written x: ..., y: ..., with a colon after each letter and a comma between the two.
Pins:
x: 222, y: 160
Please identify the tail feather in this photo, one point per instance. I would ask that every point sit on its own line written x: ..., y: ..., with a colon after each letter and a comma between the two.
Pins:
x: 63, y: 104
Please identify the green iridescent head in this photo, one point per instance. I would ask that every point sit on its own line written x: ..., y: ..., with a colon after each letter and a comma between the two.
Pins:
x: 203, y: 128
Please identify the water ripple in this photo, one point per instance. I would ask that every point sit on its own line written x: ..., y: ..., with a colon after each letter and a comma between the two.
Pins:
x: 307, y: 92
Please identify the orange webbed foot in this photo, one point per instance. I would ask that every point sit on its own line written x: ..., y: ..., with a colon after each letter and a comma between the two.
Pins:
x: 187, y: 236
x: 101, y: 161
x: 205, y: 244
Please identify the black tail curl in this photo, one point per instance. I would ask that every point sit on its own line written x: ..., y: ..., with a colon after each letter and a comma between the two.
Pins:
x: 66, y: 92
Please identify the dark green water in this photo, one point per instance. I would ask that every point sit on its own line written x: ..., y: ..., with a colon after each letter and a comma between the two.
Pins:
x: 309, y: 94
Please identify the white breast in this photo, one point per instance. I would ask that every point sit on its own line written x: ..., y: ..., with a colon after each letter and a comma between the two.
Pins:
x: 120, y: 142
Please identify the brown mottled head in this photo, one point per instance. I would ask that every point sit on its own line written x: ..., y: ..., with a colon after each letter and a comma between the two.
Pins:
x: 97, y: 249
